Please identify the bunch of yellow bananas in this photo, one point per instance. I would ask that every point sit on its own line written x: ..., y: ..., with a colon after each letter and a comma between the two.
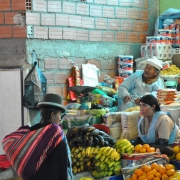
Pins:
x: 124, y: 146
x: 107, y: 163
x: 82, y: 158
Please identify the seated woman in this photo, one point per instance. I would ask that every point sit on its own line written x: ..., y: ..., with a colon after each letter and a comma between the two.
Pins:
x: 140, y: 83
x: 41, y: 151
x: 156, y: 127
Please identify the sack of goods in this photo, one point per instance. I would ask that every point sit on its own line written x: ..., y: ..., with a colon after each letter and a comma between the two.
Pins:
x: 167, y: 96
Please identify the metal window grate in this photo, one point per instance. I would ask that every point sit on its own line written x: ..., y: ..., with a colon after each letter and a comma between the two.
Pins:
x: 28, y: 4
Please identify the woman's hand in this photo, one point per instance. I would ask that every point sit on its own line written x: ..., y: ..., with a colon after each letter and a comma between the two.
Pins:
x: 137, y: 101
x: 127, y: 98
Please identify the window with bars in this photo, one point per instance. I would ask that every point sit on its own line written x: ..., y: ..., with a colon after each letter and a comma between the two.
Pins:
x: 28, y: 4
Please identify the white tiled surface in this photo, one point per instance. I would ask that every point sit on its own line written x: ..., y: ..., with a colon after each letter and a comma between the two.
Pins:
x: 68, y: 7
x: 87, y: 22
x: 82, y: 9
x: 54, y: 6
x: 69, y: 33
x: 40, y: 5
x: 48, y: 19
x: 75, y: 21
x: 41, y: 32
x: 32, y: 18
x: 55, y: 33
x: 10, y: 102
x: 62, y: 20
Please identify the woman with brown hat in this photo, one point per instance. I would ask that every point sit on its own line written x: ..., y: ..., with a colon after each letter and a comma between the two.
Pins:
x: 41, y: 151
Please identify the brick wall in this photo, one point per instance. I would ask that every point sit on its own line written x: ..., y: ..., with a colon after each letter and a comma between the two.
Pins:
x: 12, y: 19
x: 89, y: 23
x: 90, y: 20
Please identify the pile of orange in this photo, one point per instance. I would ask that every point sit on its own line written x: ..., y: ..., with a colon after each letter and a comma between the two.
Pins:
x: 145, y: 148
x: 153, y: 172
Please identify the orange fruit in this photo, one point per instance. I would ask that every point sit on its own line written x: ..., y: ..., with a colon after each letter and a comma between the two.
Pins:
x: 150, y: 177
x: 138, y: 147
x: 158, y: 174
x: 162, y: 169
x: 139, y: 172
x: 136, y: 170
x: 176, y: 149
x: 155, y: 166
x: 178, y: 156
x: 128, y: 178
x: 146, y: 146
x: 169, y: 166
x: 143, y: 167
x: 147, y: 169
x: 164, y: 177
x: 149, y: 149
x: 134, y: 177
x: 142, y: 178
x: 153, y: 149
x: 142, y: 150
x: 152, y: 172
x: 157, y: 178
x: 170, y: 172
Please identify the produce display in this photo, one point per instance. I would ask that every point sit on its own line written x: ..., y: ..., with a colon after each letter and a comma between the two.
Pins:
x: 176, y: 150
x: 145, y: 148
x: 154, y: 172
x: 87, y: 135
x: 101, y: 162
x: 124, y: 146
x: 173, y: 70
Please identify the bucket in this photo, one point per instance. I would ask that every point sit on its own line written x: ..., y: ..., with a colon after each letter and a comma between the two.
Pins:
x: 174, y: 110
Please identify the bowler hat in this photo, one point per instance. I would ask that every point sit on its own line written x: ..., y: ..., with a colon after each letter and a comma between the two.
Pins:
x: 52, y: 100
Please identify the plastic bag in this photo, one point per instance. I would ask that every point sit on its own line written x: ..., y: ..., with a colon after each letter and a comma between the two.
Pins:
x: 90, y: 74
x: 34, y: 87
x: 129, y: 122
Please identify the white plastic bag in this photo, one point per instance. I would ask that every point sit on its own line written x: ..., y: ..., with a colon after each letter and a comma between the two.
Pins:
x: 90, y: 74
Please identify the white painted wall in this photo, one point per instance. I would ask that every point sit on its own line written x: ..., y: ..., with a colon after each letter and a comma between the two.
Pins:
x: 10, y: 102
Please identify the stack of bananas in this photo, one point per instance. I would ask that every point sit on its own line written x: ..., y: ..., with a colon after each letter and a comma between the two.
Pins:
x: 106, y: 163
x: 82, y: 158
x: 124, y: 146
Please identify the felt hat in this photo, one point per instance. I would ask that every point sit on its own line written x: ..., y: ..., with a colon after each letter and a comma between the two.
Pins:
x: 52, y: 100
x: 155, y: 62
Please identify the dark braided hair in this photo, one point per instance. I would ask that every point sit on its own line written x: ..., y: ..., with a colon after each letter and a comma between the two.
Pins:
x: 46, y: 113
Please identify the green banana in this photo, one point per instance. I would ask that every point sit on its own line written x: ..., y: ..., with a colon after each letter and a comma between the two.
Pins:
x: 130, y: 148
x: 106, y: 149
x: 120, y: 141
x: 96, y: 149
x: 126, y: 146
x: 79, y: 155
x: 74, y: 169
x: 111, y: 164
x: 91, y: 152
x: 109, y: 152
x: 83, y: 152
x: 88, y: 151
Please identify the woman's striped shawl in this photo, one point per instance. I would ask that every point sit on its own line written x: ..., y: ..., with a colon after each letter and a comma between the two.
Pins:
x: 27, y: 149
